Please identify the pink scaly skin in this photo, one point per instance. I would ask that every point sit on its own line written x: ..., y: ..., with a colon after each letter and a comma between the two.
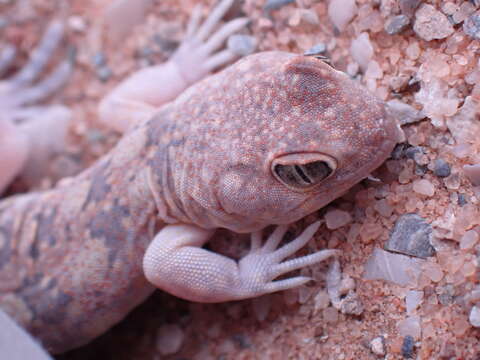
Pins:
x: 268, y: 140
x: 31, y: 133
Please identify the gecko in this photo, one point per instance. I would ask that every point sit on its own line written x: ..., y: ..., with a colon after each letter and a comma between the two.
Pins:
x: 266, y: 141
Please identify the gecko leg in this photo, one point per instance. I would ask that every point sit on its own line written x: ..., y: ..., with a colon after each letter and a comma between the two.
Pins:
x: 40, y: 56
x: 176, y: 263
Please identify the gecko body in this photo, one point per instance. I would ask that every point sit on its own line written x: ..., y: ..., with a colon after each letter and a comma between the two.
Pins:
x: 266, y: 141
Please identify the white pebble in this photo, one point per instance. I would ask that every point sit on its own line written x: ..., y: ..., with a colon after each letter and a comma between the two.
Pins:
x: 169, y: 339
x: 362, y: 50
x: 341, y: 12
x: 412, y: 300
x: 424, y: 187
x: 474, y: 317
x: 337, y: 218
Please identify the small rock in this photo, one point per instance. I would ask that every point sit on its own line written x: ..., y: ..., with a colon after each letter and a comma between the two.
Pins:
x: 412, y: 151
x: 276, y: 4
x: 469, y: 240
x: 377, y: 346
x: 396, y: 24
x: 241, y: 45
x: 330, y: 315
x: 474, y: 316
x: 442, y: 168
x: 99, y: 59
x: 464, y: 11
x: 431, y: 24
x: 408, y: 7
x: 462, y: 199
x: 341, y: 12
x: 404, y: 113
x: 321, y: 301
x: 362, y: 50
x: 104, y: 73
x: 407, y: 347
x: 424, y: 187
x: 169, y: 339
x: 337, y: 218
x: 471, y: 26
x: 472, y: 172
x: 316, y: 50
x: 399, y: 269
x: 77, y: 23
x: 352, y: 305
x: 411, y: 235
x: 412, y: 300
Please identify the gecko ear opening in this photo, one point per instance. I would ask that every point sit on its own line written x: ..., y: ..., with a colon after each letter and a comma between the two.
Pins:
x: 303, y: 172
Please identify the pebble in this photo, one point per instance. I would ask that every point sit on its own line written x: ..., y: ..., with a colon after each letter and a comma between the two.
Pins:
x: 471, y: 26
x: 412, y: 300
x: 472, y: 172
x: 431, y: 24
x: 99, y: 59
x: 321, y: 301
x: 463, y: 12
x: 404, y: 113
x: 276, y: 4
x: 241, y: 45
x: 377, y: 346
x: 341, y: 12
x: 169, y: 339
x: 411, y: 235
x: 104, y: 73
x: 408, y: 7
x: 352, y: 305
x: 317, y: 49
x: 337, y: 218
x: 424, y: 187
x: 407, y: 347
x: 412, y: 151
x: 362, y: 50
x: 396, y: 24
x: 474, y: 316
x: 462, y: 199
x: 441, y: 168
x: 469, y: 240
x: 77, y: 23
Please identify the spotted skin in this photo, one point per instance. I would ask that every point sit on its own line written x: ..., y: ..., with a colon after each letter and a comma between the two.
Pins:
x: 71, y: 258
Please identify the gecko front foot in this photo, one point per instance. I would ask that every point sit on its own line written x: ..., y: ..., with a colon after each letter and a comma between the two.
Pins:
x: 176, y: 262
x: 265, y: 263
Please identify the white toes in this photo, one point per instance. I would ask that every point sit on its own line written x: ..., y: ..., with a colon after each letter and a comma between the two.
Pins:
x: 213, y: 19
x: 275, y: 238
x: 302, y: 262
x: 256, y: 241
x: 298, y: 243
x: 217, y: 40
x: 40, y: 56
x: 286, y: 284
x: 194, y: 21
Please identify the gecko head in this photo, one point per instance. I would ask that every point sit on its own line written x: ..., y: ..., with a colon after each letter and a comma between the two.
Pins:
x: 288, y: 134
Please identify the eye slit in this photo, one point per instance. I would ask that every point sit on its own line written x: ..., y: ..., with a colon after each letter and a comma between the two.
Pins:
x: 303, y: 175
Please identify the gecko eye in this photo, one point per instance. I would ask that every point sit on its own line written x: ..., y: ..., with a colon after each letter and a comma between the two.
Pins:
x: 303, y: 171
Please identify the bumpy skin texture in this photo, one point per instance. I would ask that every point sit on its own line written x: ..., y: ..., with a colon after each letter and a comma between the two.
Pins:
x: 71, y: 257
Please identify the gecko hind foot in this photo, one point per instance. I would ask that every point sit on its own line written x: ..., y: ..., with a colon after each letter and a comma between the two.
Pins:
x: 264, y: 263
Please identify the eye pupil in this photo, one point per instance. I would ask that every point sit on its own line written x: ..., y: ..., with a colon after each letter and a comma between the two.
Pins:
x: 303, y: 175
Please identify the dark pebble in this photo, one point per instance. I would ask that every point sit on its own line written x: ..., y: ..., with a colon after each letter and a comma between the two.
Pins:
x: 411, y: 151
x: 99, y: 59
x: 471, y: 26
x: 407, y: 347
x: 441, y: 168
x: 420, y: 169
x: 399, y: 151
x: 316, y: 49
x: 104, y: 73
x: 276, y: 4
x: 396, y: 24
x: 408, y: 7
x: 411, y: 235
x: 462, y: 199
